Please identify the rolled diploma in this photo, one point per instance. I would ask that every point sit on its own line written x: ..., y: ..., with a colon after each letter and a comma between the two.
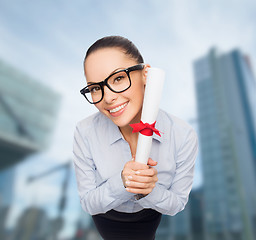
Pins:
x: 152, y: 97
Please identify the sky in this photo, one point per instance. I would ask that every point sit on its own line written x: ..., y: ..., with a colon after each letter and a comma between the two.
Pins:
x: 48, y: 40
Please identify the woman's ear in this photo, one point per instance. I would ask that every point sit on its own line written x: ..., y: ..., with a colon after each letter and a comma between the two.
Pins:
x: 145, y: 73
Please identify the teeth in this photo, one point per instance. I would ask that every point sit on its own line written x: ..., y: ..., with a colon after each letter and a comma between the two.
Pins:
x: 117, y: 108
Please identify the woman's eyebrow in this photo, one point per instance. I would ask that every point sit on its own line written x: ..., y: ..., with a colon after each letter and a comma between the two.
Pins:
x: 88, y: 83
x: 120, y: 68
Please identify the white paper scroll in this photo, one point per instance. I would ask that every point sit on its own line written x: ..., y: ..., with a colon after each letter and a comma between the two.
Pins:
x: 152, y: 97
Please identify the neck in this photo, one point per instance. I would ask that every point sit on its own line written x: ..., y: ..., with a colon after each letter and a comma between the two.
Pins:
x: 129, y: 136
x: 127, y: 133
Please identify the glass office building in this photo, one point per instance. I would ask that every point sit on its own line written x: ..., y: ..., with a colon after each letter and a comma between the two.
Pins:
x: 28, y: 112
x: 27, y: 115
x: 6, y: 179
x: 226, y: 105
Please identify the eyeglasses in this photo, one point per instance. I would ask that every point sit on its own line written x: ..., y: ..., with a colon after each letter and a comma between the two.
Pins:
x: 117, y: 82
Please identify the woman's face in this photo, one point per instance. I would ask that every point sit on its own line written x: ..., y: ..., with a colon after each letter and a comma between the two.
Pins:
x: 122, y: 108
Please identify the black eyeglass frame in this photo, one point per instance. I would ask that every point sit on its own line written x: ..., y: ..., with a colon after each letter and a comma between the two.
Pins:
x: 105, y: 82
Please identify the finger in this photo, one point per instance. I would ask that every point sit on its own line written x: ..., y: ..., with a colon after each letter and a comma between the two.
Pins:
x: 142, y: 179
x: 139, y: 190
x: 135, y: 166
x: 151, y: 162
x: 147, y: 172
x: 132, y: 184
x: 127, y: 172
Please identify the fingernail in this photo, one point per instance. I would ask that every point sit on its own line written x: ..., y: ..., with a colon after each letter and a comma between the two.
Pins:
x: 130, y: 177
x: 127, y: 183
x: 137, y: 172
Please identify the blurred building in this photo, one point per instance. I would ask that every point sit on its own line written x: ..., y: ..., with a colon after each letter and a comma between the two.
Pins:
x: 6, y: 179
x: 196, y: 208
x: 226, y: 92
x: 85, y: 228
x: 181, y: 225
x: 28, y: 112
x: 187, y: 224
x: 32, y: 224
x: 27, y: 115
x: 164, y: 230
x: 3, y: 216
x: 6, y: 196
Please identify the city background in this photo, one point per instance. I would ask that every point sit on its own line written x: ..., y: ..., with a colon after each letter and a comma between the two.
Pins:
x: 208, y: 52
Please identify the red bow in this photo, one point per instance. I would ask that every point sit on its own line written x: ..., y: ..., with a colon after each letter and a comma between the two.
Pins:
x: 145, y: 128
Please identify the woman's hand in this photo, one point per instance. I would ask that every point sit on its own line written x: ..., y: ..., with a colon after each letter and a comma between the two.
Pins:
x: 139, y: 178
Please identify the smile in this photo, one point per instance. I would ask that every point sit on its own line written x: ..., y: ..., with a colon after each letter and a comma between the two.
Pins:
x: 118, y: 108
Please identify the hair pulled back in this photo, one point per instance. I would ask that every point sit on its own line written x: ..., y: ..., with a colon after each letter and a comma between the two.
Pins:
x: 116, y: 42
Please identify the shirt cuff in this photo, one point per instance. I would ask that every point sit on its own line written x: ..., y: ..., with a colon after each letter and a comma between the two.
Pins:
x: 152, y: 198
x: 117, y: 188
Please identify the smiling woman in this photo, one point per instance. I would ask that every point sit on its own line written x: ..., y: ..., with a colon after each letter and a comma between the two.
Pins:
x: 125, y: 198
x: 128, y: 94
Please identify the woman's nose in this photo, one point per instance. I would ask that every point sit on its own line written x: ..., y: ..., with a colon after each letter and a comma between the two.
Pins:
x: 109, y: 96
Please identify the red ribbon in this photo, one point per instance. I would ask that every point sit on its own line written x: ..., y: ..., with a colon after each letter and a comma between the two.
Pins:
x: 145, y: 128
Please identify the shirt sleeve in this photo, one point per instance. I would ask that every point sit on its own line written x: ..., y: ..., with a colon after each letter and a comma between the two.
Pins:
x: 95, y: 199
x: 173, y: 200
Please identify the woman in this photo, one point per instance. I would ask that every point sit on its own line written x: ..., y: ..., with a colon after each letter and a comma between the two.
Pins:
x: 126, y: 199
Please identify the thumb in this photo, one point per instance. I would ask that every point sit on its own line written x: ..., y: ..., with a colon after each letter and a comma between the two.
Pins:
x: 152, y: 162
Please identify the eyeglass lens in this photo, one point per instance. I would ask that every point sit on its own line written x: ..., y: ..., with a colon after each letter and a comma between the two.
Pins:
x: 117, y: 82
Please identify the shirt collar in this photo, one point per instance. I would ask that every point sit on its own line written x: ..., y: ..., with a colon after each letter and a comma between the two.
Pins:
x: 115, y: 134
x: 159, y: 126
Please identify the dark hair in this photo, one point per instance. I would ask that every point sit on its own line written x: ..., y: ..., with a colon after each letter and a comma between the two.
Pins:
x: 116, y: 42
